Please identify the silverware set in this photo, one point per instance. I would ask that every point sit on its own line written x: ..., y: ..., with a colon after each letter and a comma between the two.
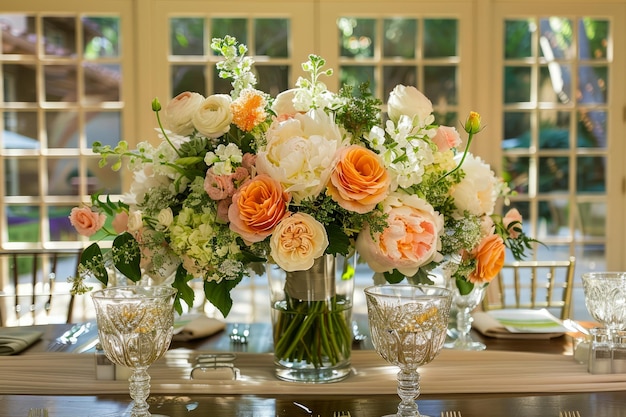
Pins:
x: 70, y: 337
x: 38, y: 412
x: 569, y: 414
x: 450, y: 414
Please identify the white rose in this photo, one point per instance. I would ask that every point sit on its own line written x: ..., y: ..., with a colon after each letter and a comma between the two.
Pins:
x: 283, y: 104
x: 165, y: 217
x: 178, y: 113
x: 477, y: 191
x: 300, y: 153
x: 297, y: 241
x: 135, y: 221
x: 411, y: 102
x: 213, y: 117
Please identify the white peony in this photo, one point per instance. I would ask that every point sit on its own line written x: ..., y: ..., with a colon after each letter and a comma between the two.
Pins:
x: 178, y: 113
x: 411, y: 102
x: 477, y: 191
x: 300, y: 153
x: 212, y: 119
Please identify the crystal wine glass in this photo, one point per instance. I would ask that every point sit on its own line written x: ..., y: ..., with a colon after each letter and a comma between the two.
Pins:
x: 465, y: 304
x: 605, y: 299
x: 408, y: 328
x: 135, y: 327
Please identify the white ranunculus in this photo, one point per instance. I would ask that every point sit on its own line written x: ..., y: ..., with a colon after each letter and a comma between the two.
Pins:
x: 283, y: 104
x: 300, y: 153
x: 213, y: 117
x: 477, y: 191
x: 178, y: 113
x: 165, y: 217
x: 411, y: 102
x: 135, y: 221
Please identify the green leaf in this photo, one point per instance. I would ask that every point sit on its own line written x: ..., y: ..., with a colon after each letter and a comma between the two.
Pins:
x: 185, y: 292
x: 465, y: 287
x: 189, y: 160
x: 126, y: 256
x: 394, y: 277
x: 92, y: 259
x: 219, y: 294
x: 338, y: 241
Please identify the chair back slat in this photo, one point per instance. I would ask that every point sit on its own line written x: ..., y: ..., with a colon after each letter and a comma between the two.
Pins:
x: 533, y: 284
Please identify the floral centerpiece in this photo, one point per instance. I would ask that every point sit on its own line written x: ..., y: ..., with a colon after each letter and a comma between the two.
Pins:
x: 246, y: 178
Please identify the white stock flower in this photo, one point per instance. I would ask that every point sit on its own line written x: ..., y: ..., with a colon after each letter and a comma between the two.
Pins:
x: 300, y: 153
x: 213, y: 117
x: 477, y: 191
x: 178, y: 113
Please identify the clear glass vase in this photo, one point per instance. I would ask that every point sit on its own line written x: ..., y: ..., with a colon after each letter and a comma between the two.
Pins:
x: 311, y: 320
x: 464, y: 305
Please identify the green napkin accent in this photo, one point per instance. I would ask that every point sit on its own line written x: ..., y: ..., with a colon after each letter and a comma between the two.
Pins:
x: 13, y: 340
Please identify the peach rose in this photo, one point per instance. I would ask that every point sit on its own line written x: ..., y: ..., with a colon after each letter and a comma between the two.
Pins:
x: 258, y: 206
x: 297, y: 241
x: 120, y: 222
x: 446, y: 138
x: 359, y: 180
x: 489, y: 255
x: 85, y: 221
x: 410, y: 240
x: 513, y: 222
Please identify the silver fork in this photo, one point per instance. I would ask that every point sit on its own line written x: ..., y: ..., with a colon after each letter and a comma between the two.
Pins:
x: 341, y: 414
x: 70, y: 337
x: 450, y: 414
x: 569, y: 414
x: 38, y: 412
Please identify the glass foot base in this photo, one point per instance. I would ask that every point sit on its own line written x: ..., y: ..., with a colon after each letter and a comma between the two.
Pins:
x: 468, y: 345
x: 321, y: 376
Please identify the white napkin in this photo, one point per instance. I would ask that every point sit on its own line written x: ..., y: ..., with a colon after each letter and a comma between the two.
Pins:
x: 192, y: 327
x: 488, y: 325
x: 13, y: 340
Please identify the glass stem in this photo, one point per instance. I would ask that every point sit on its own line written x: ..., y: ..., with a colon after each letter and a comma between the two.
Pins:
x: 408, y: 391
x: 139, y: 392
x: 463, y: 325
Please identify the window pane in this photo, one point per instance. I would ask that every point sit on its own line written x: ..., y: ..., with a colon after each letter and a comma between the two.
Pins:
x: 554, y: 139
x: 440, y: 84
x: 237, y: 28
x: 60, y: 227
x: 20, y: 130
x: 552, y: 86
x: 591, y: 174
x: 62, y: 176
x: 23, y: 223
x: 553, y: 213
x: 516, y: 84
x: 273, y: 79
x: 554, y: 129
x: 20, y: 82
x: 594, y: 41
x: 516, y: 130
x: 21, y: 176
x: 18, y: 34
x: 516, y: 172
x: 593, y: 84
x: 356, y: 75
x: 440, y: 38
x: 103, y: 180
x: 518, y: 38
x: 556, y: 38
x: 102, y: 82
x: 553, y: 174
x: 450, y: 118
x: 101, y: 36
x: 394, y: 75
x: 592, y: 129
x: 222, y: 85
x: 187, y: 36
x: 592, y: 219
x: 61, y: 128
x: 357, y: 37
x: 60, y: 83
x: 271, y: 37
x: 400, y: 38
x: 188, y: 78
x: 104, y: 127
x: 59, y: 36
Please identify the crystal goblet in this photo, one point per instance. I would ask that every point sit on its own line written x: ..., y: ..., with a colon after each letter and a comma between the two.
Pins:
x: 605, y: 299
x: 465, y: 304
x: 135, y: 327
x: 408, y: 328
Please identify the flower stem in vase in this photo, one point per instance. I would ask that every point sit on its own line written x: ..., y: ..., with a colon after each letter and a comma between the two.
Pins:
x: 465, y: 304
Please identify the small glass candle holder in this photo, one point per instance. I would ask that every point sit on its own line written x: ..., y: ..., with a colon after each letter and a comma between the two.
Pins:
x: 618, y: 359
x: 600, y: 355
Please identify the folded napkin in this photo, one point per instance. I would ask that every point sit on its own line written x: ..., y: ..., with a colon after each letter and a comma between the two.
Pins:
x: 13, y: 340
x: 191, y: 327
x: 489, y: 325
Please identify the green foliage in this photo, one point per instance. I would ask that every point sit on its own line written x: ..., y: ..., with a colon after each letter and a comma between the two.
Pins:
x: 218, y: 294
x: 127, y: 256
x: 185, y: 292
x: 361, y: 112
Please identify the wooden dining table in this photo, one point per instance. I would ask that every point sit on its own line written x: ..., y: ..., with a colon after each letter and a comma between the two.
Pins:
x: 304, y: 400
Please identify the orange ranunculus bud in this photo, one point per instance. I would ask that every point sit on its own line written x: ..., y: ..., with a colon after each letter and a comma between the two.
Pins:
x: 472, y: 124
x: 489, y: 255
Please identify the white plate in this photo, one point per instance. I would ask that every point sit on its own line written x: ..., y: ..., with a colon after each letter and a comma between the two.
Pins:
x: 528, y: 321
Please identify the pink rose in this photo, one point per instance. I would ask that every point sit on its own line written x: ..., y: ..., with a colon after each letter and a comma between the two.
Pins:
x: 218, y: 187
x: 85, y: 221
x: 513, y: 223
x: 446, y: 138
x: 410, y: 240
x: 120, y: 222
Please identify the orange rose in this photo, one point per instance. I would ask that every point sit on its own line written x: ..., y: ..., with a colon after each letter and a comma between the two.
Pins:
x: 489, y: 255
x: 258, y: 206
x: 359, y: 181
x: 85, y: 221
